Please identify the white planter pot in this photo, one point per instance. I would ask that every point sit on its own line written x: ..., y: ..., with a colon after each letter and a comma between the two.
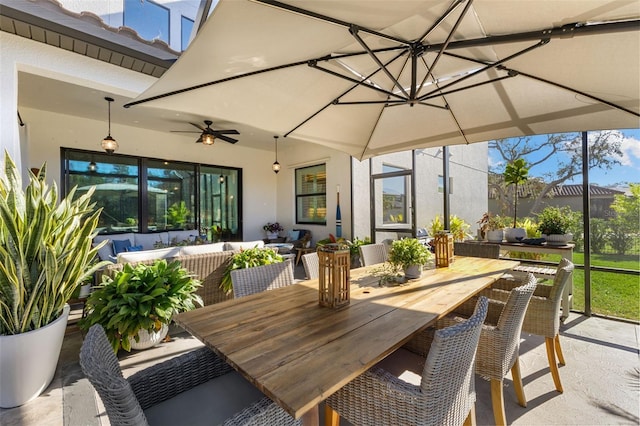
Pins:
x: 272, y: 235
x: 557, y: 239
x: 413, y: 271
x: 513, y: 235
x: 28, y: 361
x: 149, y: 340
x: 495, y: 236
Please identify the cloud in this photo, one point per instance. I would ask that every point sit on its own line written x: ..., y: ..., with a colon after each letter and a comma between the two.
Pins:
x: 630, y: 148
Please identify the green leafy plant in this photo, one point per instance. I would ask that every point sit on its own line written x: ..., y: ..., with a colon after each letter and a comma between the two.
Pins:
x: 516, y: 173
x: 556, y: 220
x: 141, y: 297
x: 177, y: 214
x: 356, y: 243
x: 248, y: 258
x: 407, y: 252
x: 459, y: 228
x: 45, y: 249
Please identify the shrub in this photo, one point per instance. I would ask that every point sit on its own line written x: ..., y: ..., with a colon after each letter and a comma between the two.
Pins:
x: 248, y: 258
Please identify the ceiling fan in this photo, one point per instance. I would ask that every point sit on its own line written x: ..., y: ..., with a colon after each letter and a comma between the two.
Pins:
x: 209, y: 135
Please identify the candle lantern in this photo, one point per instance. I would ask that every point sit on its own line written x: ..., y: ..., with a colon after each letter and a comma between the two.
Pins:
x: 443, y: 243
x: 333, y: 275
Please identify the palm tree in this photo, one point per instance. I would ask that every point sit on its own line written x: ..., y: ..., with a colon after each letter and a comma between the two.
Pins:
x: 516, y: 173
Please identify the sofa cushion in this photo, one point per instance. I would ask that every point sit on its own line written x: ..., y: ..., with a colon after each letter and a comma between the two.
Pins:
x: 164, y: 253
x: 237, y: 245
x: 134, y: 248
x: 293, y: 235
x: 202, y: 248
x: 120, y: 246
x: 150, y: 241
x: 106, y: 251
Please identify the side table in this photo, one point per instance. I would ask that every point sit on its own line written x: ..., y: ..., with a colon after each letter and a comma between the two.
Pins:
x: 301, y: 251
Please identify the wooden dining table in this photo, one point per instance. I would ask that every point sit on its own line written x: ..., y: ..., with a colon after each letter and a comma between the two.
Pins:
x: 298, y: 352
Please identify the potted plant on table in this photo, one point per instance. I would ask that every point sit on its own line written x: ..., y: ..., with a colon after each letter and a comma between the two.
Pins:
x: 516, y: 173
x: 136, y: 304
x: 491, y: 227
x: 554, y: 224
x: 410, y: 255
x: 45, y: 254
x: 272, y: 230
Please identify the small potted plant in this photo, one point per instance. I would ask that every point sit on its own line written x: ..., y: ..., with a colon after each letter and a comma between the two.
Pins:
x: 491, y: 227
x: 272, y: 230
x: 410, y: 255
x: 516, y: 173
x: 554, y: 224
x: 136, y: 304
x: 248, y: 258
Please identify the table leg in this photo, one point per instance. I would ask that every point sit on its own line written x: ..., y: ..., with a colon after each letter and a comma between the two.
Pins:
x: 311, y: 417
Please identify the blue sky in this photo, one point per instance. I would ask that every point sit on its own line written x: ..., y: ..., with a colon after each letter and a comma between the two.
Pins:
x: 627, y: 172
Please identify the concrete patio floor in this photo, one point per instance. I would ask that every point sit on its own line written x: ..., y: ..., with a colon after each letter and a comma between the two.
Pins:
x: 601, y: 380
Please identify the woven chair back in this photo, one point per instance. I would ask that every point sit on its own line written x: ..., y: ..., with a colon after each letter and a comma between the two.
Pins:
x: 260, y: 278
x: 311, y: 265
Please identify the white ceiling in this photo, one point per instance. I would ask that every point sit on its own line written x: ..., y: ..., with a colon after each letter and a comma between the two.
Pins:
x: 57, y: 96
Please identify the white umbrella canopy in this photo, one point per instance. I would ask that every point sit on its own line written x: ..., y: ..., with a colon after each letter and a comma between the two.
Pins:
x: 373, y: 77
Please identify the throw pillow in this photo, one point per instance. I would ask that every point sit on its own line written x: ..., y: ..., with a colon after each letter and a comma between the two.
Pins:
x: 135, y: 248
x: 120, y: 246
x: 293, y: 236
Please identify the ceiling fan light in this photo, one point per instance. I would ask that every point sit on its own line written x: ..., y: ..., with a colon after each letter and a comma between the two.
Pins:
x: 109, y: 144
x: 208, y: 139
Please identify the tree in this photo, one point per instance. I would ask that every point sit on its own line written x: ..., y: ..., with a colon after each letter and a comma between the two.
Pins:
x: 516, y: 173
x: 625, y: 225
x: 565, y: 149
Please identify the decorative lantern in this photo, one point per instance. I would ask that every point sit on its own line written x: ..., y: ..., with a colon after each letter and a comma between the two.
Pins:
x: 334, y: 266
x: 443, y: 243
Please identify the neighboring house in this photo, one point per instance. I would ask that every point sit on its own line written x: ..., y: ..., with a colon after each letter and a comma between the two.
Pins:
x: 564, y: 195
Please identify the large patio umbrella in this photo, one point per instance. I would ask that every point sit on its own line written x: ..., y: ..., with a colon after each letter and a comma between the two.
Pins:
x: 372, y: 77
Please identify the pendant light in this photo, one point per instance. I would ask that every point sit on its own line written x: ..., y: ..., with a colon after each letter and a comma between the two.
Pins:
x: 109, y: 144
x: 93, y: 166
x: 276, y: 166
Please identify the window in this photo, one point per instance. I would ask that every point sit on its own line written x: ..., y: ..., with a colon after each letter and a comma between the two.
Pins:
x: 139, y: 194
x: 186, y: 26
x: 149, y: 19
x: 311, y: 195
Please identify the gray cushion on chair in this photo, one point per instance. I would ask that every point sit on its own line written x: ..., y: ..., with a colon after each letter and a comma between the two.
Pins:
x: 210, y: 403
x: 405, y: 365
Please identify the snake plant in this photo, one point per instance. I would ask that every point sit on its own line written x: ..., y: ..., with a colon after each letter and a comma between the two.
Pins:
x: 45, y: 249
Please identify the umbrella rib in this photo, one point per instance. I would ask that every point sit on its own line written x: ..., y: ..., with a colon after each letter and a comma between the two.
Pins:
x: 576, y: 91
x: 443, y: 48
x: 304, y: 12
x: 441, y: 19
x: 334, y: 101
x: 353, y: 30
x: 471, y: 86
x: 487, y: 66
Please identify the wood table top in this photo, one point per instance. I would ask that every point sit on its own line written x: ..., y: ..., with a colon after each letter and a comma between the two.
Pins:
x: 298, y: 353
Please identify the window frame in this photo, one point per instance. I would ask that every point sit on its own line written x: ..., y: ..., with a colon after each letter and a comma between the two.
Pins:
x: 299, y: 196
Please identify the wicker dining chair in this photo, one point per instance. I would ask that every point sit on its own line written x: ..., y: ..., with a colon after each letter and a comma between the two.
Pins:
x: 499, y: 346
x: 476, y: 249
x: 311, y: 265
x: 543, y: 314
x: 432, y: 386
x: 260, y: 278
x: 371, y: 254
x: 195, y: 388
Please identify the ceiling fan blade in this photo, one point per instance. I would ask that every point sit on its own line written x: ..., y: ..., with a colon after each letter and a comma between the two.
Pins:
x: 226, y: 132
x: 199, y: 139
x: 198, y: 126
x: 184, y: 131
x: 226, y: 138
